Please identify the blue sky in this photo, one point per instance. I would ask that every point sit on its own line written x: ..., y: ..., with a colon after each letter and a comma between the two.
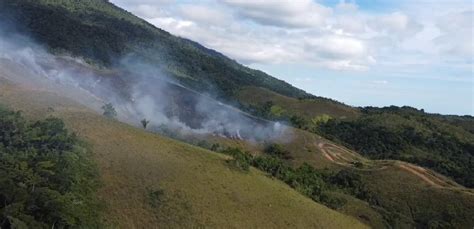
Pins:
x: 361, y: 52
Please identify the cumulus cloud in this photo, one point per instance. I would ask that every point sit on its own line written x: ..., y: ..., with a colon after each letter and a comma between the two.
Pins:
x: 342, y: 37
x: 456, y: 35
x: 337, y: 47
x: 204, y: 14
x: 288, y: 14
x: 396, y: 24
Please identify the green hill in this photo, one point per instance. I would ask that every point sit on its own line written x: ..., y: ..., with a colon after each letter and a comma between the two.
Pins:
x: 104, y: 34
x: 410, y: 135
x: 152, y: 181
x: 443, y: 143
x: 269, y: 104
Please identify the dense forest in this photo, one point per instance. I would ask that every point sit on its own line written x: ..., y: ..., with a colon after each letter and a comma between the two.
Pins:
x: 47, y: 179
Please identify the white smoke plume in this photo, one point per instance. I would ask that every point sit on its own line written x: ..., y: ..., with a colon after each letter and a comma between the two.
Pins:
x: 136, y: 90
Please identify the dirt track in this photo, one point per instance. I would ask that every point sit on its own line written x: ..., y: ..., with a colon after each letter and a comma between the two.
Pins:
x: 345, y: 157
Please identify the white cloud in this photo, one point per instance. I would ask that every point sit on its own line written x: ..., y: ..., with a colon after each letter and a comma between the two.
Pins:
x: 337, y: 47
x: 344, y: 37
x: 456, y: 38
x: 396, y: 24
x: 288, y: 14
x: 205, y: 14
x: 380, y: 82
x: 148, y: 11
x: 347, y: 7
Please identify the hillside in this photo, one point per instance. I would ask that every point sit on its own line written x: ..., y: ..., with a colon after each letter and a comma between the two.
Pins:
x: 256, y: 100
x: 152, y: 181
x: 443, y: 143
x: 382, y: 193
x: 410, y: 135
x: 108, y: 36
x: 225, y: 145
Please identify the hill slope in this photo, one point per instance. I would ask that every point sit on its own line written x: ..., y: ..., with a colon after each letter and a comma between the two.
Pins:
x: 255, y: 98
x: 410, y: 135
x: 102, y: 33
x: 151, y: 181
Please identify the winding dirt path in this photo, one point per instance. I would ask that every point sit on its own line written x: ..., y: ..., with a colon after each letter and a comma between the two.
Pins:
x: 426, y: 175
x: 347, y: 158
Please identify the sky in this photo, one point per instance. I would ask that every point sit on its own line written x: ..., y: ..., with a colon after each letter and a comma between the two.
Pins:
x: 361, y: 52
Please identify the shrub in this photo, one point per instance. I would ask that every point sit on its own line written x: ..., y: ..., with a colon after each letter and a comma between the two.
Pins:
x: 298, y: 121
x: 145, y: 123
x: 155, y: 197
x: 46, y: 176
x: 240, y: 160
x: 109, y: 110
x: 277, y: 150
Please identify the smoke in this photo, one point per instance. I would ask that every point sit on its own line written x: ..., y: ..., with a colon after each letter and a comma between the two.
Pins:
x: 136, y: 90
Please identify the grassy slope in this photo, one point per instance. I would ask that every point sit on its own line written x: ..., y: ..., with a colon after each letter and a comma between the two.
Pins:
x: 410, y: 135
x: 308, y: 108
x: 410, y: 197
x: 394, y: 187
x: 199, y: 189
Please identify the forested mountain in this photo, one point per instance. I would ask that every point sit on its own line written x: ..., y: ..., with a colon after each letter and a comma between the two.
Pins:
x: 104, y: 34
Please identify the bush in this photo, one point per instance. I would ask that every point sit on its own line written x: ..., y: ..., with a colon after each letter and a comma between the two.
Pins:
x: 109, y: 111
x: 332, y: 201
x: 352, y: 184
x: 155, y: 197
x: 46, y: 176
x: 277, y: 150
x: 305, y: 179
x: 240, y: 160
x: 298, y: 121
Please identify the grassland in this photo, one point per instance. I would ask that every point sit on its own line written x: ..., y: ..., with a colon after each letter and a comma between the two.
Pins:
x: 307, y: 108
x: 151, y: 181
x: 406, y: 195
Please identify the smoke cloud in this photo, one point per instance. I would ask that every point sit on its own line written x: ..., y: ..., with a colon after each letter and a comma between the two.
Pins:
x: 136, y: 90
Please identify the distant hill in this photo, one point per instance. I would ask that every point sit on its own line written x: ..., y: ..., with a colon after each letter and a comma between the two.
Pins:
x: 441, y: 142
x: 258, y: 99
x: 104, y: 34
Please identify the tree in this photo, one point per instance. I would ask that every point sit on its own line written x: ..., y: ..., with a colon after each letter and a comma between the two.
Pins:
x: 277, y: 111
x: 277, y: 150
x: 321, y: 119
x: 298, y: 121
x: 145, y: 123
x: 47, y: 177
x: 109, y: 110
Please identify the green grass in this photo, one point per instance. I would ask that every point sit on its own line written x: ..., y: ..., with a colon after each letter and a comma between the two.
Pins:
x: 402, y: 198
x: 307, y: 108
x: 198, y: 188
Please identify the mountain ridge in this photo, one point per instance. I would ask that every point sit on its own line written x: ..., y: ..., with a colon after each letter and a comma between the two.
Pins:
x: 85, y: 32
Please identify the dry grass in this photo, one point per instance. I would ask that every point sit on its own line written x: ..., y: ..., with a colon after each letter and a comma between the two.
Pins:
x: 308, y: 108
x: 199, y: 188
